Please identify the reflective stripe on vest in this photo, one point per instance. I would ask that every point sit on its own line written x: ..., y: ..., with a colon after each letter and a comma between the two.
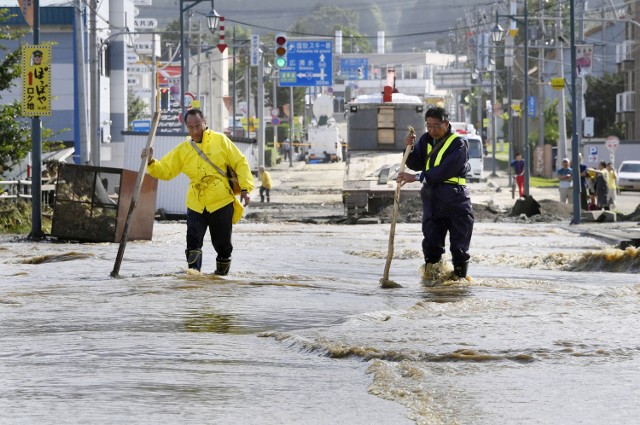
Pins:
x: 447, y: 143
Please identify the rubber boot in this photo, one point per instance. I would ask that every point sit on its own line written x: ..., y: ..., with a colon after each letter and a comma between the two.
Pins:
x: 194, y: 258
x: 460, y: 269
x: 223, y: 266
x: 430, y: 263
x: 432, y: 273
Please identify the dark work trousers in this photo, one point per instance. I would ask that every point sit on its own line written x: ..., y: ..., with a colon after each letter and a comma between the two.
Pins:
x: 263, y: 191
x: 446, y: 208
x: 220, y: 226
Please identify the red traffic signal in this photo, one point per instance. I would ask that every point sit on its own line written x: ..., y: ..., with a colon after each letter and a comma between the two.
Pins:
x: 164, y: 99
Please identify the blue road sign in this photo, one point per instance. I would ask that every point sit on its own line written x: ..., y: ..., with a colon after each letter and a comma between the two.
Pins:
x: 354, y: 68
x: 309, y: 64
x: 141, y: 126
x: 531, y: 106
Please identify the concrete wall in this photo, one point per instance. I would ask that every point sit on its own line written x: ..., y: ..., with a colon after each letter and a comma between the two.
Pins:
x: 596, y: 151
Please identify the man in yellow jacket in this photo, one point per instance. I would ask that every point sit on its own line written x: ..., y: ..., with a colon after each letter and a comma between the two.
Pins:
x: 266, y: 183
x: 210, y: 200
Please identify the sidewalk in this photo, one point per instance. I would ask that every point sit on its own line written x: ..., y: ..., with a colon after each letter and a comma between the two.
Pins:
x: 313, y: 183
x: 316, y: 189
x: 497, y: 190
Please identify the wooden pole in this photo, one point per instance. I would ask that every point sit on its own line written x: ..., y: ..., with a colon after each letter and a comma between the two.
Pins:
x: 136, y: 193
x: 394, y: 217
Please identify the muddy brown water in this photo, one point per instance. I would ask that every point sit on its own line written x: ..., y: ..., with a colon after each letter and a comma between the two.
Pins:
x: 301, y: 332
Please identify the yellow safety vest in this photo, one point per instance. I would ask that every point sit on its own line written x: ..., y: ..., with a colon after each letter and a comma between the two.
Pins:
x: 447, y: 143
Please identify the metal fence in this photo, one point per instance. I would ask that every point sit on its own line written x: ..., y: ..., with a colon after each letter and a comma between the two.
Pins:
x: 15, y: 190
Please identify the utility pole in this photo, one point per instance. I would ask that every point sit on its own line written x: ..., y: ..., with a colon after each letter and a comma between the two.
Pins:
x: 274, y: 83
x: 36, y: 147
x: 260, y: 111
x: 580, y: 81
x: 541, y: 92
x: 94, y: 121
x: 154, y: 75
x: 562, y: 123
x: 233, y: 77
x: 199, y: 61
x: 291, y: 114
x: 575, y: 140
x: 248, y: 93
x: 542, y: 35
x: 83, y: 139
x: 508, y: 62
x: 187, y: 59
x: 492, y: 118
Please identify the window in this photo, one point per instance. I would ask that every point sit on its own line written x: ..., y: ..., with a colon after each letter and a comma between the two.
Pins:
x: 386, y: 125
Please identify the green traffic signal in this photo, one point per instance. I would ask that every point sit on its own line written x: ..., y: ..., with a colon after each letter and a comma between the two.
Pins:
x: 281, y: 62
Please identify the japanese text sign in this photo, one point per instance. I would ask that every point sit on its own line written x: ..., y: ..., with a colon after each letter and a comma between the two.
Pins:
x: 36, y: 80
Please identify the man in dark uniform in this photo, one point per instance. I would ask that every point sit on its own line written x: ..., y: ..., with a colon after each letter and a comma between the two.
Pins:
x: 442, y: 158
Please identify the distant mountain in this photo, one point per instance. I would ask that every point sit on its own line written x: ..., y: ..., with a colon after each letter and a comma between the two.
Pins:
x: 408, y: 23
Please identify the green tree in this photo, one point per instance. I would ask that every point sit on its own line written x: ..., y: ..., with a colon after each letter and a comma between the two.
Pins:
x: 15, y: 140
x: 325, y: 20
x: 600, y: 103
x: 135, y: 107
x: 200, y: 36
x: 551, y: 133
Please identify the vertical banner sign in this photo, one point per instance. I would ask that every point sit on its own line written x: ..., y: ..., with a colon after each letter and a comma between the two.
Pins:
x: 36, y: 80
x: 26, y: 6
x: 531, y: 106
x: 584, y: 56
x: 255, y: 49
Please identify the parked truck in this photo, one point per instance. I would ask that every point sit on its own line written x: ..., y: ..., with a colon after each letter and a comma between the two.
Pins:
x: 325, y: 143
x: 323, y: 137
x: 376, y: 127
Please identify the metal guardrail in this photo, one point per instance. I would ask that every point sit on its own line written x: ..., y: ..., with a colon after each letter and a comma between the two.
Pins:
x: 21, y: 189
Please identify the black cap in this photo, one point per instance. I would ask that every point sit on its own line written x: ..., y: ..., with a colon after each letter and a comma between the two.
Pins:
x: 37, y: 53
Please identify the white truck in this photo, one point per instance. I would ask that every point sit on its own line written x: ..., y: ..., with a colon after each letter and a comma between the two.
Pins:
x: 323, y: 136
x: 375, y: 131
x: 476, y: 159
x: 325, y: 144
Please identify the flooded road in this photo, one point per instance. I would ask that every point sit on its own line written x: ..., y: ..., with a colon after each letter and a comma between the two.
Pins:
x: 301, y: 332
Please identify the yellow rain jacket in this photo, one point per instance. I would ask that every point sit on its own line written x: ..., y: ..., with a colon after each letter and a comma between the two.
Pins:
x: 208, y: 188
x: 265, y: 179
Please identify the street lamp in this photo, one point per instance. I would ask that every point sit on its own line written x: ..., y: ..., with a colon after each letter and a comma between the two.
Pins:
x: 213, y: 20
x: 497, y: 35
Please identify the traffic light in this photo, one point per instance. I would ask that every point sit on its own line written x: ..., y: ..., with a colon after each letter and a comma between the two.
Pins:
x: 164, y: 99
x: 281, y: 50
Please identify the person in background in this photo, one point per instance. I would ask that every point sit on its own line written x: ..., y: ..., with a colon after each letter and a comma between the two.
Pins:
x: 286, y: 146
x: 612, y: 184
x: 584, y: 185
x: 601, y: 186
x: 518, y: 169
x: 442, y: 159
x: 266, y: 183
x: 566, y: 182
x: 211, y: 203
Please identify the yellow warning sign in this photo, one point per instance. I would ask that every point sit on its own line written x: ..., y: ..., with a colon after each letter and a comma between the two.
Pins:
x: 516, y: 108
x: 36, y: 80
x: 557, y: 83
